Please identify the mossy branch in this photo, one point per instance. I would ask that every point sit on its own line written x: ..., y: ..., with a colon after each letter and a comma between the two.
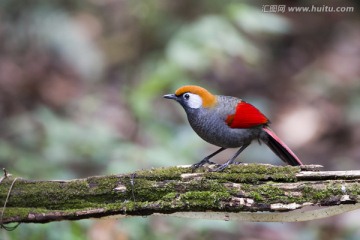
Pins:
x: 252, y: 192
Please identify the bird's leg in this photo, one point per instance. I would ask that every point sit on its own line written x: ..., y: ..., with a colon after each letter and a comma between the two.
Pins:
x: 223, y: 166
x: 206, y: 159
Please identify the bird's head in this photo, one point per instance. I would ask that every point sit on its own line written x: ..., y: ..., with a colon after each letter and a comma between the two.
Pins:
x: 193, y: 97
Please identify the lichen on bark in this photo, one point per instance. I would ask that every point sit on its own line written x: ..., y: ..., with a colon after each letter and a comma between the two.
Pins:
x: 239, y: 188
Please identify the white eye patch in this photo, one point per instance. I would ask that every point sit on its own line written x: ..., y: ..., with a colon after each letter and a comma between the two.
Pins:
x: 193, y: 100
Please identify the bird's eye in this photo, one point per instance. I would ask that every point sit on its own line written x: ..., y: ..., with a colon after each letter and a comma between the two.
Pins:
x: 186, y: 96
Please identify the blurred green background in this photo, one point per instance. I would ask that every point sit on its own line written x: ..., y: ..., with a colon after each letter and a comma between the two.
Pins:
x: 81, y: 85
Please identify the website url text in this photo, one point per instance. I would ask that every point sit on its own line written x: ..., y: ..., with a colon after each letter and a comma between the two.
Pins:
x: 310, y: 9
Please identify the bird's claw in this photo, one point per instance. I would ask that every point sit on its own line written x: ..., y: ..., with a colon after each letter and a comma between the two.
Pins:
x: 195, y: 166
x: 220, y: 168
x: 225, y: 165
x: 201, y: 163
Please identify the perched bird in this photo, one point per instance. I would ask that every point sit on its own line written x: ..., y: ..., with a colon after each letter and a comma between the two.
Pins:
x: 228, y: 122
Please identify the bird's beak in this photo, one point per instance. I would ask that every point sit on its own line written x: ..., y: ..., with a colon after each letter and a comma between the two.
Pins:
x: 170, y: 96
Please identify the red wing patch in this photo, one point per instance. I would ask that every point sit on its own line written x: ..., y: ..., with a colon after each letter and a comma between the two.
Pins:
x: 246, y: 116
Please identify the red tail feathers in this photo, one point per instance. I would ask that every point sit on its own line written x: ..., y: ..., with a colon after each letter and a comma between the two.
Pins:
x: 280, y: 148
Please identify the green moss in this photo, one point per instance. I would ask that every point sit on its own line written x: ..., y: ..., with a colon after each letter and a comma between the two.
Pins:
x: 246, y: 187
x: 161, y: 191
x: 58, y: 195
x: 174, y: 195
x: 141, y: 186
x: 254, y: 173
x: 146, y: 190
x: 96, y: 189
x: 267, y: 193
x: 130, y: 206
x: 274, y: 194
x: 101, y: 184
x: 354, y: 189
x: 205, y: 185
x: 205, y: 195
x: 170, y: 196
x: 312, y: 193
x: 159, y: 174
x: 16, y: 212
x: 23, y: 213
x: 203, y: 199
x: 256, y: 196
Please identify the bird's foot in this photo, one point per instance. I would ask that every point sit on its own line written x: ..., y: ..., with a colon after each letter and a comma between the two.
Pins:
x: 220, y: 168
x: 201, y: 163
x: 225, y: 165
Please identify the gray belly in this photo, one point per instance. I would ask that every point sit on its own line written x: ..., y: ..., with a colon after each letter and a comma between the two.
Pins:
x: 217, y: 132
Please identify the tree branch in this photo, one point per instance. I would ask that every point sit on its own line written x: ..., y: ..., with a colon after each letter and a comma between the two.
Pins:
x: 252, y: 192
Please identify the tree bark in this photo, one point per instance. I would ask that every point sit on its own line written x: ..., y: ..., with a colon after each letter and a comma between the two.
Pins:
x: 251, y: 192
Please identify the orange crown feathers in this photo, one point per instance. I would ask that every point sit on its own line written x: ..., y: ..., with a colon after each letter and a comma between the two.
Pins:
x: 209, y: 100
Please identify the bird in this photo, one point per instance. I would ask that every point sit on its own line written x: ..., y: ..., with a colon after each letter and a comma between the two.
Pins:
x: 228, y: 122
